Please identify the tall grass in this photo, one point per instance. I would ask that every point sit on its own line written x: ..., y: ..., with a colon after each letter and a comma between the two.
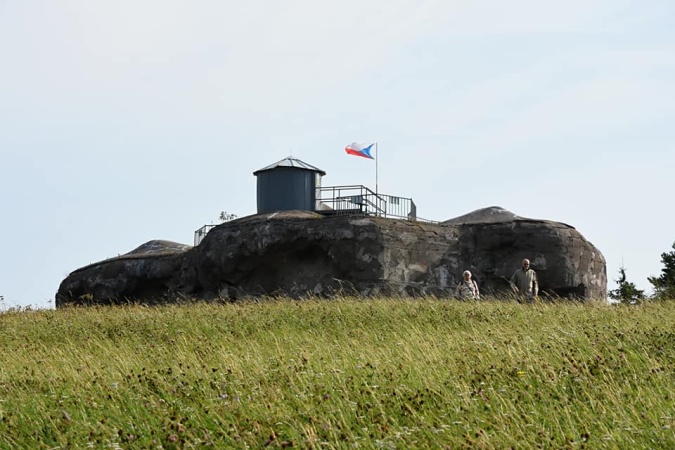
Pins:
x: 347, y: 373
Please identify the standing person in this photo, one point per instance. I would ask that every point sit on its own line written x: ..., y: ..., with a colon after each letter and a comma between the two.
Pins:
x: 524, y: 281
x: 467, y: 288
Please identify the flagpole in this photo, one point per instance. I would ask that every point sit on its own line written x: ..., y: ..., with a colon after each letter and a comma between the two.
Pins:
x: 376, y: 160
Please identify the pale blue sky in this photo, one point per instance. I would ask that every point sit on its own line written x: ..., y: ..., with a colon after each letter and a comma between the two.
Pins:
x: 125, y: 121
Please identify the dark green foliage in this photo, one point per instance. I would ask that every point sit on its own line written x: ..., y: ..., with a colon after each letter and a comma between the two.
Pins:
x: 664, y: 285
x: 226, y: 217
x: 626, y: 292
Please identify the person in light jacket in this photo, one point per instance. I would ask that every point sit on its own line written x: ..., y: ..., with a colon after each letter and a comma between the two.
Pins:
x: 524, y: 282
x: 467, y: 288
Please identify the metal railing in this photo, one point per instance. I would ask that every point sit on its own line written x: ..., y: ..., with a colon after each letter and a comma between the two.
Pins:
x: 200, y: 234
x: 358, y: 199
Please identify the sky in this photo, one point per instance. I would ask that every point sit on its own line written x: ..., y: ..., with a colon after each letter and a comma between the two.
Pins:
x: 126, y: 121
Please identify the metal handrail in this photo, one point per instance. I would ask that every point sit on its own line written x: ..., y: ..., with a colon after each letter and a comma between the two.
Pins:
x: 200, y: 234
x: 352, y: 199
x: 358, y: 199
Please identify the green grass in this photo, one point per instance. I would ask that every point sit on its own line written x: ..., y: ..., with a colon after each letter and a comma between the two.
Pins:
x: 347, y: 373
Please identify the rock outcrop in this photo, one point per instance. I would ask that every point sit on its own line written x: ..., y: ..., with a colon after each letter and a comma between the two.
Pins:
x: 301, y: 253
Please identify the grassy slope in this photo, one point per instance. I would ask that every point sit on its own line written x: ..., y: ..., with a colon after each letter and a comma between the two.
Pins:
x: 384, y: 373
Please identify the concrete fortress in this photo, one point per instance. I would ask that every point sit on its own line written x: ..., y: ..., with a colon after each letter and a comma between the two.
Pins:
x: 303, y: 253
x: 307, y: 239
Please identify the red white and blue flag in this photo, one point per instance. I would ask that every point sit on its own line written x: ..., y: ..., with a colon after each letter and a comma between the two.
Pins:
x: 357, y: 149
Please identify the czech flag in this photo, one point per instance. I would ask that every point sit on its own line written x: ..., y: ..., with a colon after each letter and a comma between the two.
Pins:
x: 357, y: 149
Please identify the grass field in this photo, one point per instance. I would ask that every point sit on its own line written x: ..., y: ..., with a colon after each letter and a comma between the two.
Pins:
x: 345, y: 373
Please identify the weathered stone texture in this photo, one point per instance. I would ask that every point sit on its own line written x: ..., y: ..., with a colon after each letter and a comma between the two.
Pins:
x: 147, y: 273
x: 567, y: 265
x: 300, y: 253
x: 316, y: 255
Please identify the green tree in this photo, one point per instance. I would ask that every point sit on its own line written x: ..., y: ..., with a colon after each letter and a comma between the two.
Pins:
x: 664, y: 286
x: 226, y: 216
x: 626, y: 292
